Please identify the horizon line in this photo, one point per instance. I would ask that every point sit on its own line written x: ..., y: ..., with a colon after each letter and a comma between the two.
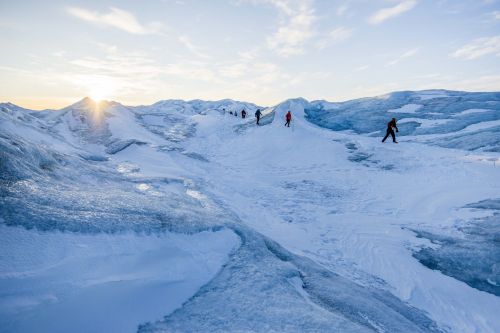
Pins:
x: 236, y: 100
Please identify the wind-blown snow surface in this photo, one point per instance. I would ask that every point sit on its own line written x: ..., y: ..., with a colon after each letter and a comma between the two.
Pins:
x: 214, y: 224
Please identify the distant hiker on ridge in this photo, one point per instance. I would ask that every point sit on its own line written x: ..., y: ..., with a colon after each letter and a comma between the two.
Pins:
x: 390, y: 131
x: 243, y: 113
x: 288, y: 118
x: 236, y: 113
x: 257, y: 115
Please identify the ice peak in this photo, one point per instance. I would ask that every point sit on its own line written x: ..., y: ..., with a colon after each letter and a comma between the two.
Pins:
x: 89, y: 104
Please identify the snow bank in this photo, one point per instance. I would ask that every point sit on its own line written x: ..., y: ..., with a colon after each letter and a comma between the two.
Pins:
x: 471, y: 111
x: 68, y: 282
x: 408, y: 108
x: 431, y: 94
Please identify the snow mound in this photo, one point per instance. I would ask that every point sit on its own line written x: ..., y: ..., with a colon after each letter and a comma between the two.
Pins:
x: 67, y: 282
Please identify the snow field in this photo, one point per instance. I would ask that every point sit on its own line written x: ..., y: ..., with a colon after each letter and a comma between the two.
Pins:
x: 330, y: 225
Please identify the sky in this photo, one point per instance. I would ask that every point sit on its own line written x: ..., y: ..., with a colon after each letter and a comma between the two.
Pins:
x: 262, y: 51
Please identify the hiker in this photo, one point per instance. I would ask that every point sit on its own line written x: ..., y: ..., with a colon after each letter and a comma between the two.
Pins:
x: 231, y: 113
x: 236, y: 113
x: 257, y: 115
x: 288, y: 118
x: 390, y: 131
x: 243, y: 113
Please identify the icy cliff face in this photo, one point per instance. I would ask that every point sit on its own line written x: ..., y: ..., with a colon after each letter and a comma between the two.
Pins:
x: 472, y: 255
x: 450, y: 119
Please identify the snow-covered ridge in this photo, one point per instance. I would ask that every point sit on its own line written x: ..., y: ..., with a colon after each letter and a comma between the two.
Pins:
x: 440, y: 113
x: 198, y: 106
x: 432, y: 116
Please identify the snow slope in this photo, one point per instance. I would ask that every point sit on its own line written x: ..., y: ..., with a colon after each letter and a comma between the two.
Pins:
x: 353, y: 205
x: 67, y: 282
x: 229, y: 226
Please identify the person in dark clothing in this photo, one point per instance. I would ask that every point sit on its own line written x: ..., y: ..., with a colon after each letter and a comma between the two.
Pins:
x: 288, y: 118
x: 231, y: 113
x: 236, y: 113
x: 257, y: 115
x: 243, y: 114
x: 390, y: 130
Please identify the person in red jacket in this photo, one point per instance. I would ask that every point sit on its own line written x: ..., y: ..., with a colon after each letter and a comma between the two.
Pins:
x: 390, y: 131
x: 288, y: 118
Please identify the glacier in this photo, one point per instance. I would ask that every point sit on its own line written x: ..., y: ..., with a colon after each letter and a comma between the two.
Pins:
x: 439, y: 117
x: 179, y: 217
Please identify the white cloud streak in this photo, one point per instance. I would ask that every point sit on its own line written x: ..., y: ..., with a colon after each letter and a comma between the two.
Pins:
x: 295, y: 27
x: 116, y: 18
x: 478, y: 48
x: 391, y: 12
x: 340, y: 34
x: 335, y: 36
x: 186, y: 41
x: 407, y: 54
x: 362, y: 68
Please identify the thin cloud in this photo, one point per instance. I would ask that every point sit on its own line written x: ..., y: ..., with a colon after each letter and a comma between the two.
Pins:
x: 121, y: 73
x: 478, y: 48
x: 335, y: 36
x: 496, y: 15
x: 391, y: 12
x: 341, y: 34
x: 250, y: 54
x: 186, y: 41
x: 295, y: 28
x: 481, y: 83
x: 116, y: 18
x: 191, y: 70
x: 362, y: 68
x: 407, y: 54
x: 132, y: 66
x: 234, y: 71
x: 342, y: 10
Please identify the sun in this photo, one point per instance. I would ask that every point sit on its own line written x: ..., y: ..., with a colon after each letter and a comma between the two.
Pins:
x: 98, y: 95
x: 98, y: 87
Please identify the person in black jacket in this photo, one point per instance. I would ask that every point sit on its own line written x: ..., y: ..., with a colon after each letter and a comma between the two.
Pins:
x: 257, y: 115
x: 390, y: 131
